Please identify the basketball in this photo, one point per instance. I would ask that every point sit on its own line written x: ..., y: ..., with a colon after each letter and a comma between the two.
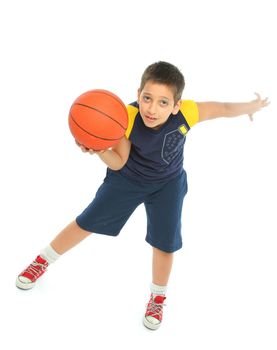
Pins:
x: 98, y: 119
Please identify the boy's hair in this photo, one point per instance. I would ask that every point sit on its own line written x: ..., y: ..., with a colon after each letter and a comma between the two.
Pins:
x: 165, y: 73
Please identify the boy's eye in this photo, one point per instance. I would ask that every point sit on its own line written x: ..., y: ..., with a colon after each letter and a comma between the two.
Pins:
x: 146, y: 98
x: 163, y: 103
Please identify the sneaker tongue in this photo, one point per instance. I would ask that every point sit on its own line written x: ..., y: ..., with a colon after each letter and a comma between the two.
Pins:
x: 40, y: 260
x: 159, y: 299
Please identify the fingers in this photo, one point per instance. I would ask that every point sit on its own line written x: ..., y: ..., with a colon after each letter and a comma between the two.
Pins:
x: 89, y: 150
x: 83, y: 148
x: 258, y: 96
x: 257, y: 105
x: 263, y: 102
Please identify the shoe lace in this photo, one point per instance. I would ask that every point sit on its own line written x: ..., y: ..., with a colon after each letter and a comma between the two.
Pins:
x: 155, y: 309
x: 35, y: 268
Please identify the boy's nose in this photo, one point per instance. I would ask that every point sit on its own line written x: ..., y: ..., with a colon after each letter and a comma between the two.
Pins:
x: 152, y: 109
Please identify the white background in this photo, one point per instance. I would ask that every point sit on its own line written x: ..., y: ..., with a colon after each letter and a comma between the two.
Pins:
x: 222, y: 291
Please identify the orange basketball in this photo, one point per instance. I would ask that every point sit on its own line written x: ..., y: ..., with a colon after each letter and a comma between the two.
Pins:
x: 98, y: 119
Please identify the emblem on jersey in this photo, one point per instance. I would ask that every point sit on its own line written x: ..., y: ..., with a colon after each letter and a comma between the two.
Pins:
x: 173, y: 141
x: 183, y: 129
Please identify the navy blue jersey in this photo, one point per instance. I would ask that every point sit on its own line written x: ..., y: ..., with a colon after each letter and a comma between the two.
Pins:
x: 157, y: 155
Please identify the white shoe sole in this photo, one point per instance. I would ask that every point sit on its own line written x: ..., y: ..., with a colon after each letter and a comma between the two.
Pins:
x: 150, y: 325
x: 22, y: 285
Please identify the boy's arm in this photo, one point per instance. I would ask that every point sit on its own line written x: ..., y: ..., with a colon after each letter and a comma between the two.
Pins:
x: 116, y: 157
x: 212, y: 110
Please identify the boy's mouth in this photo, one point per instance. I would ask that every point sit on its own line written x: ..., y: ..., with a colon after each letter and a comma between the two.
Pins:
x: 150, y: 118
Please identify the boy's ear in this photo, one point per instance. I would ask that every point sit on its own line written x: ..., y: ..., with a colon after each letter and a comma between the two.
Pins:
x: 177, y: 107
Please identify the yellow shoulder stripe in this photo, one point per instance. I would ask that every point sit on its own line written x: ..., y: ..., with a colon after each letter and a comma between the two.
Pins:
x: 190, y: 111
x: 132, y: 113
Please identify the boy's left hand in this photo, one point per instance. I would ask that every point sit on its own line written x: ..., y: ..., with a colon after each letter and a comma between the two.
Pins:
x: 257, y: 104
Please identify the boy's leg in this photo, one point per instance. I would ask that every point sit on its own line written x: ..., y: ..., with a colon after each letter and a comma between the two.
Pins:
x: 66, y: 239
x: 70, y: 236
x: 113, y: 204
x: 161, y: 267
x: 164, y: 209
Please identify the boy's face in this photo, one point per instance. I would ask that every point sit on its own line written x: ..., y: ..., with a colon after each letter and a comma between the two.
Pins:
x: 156, y: 103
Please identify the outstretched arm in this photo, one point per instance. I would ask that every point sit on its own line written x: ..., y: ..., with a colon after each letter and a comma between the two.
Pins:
x: 212, y: 110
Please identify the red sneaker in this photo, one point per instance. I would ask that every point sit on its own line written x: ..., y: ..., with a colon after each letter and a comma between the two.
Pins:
x: 154, y: 312
x: 27, y: 278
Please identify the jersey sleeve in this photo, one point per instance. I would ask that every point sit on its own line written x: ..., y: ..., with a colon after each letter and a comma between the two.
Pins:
x: 132, y: 113
x: 190, y: 112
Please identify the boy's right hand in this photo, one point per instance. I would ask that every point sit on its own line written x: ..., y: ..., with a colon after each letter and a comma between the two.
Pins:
x: 114, y: 157
x: 85, y: 149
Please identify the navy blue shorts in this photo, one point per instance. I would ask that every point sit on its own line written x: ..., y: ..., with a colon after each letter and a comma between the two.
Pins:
x: 118, y: 197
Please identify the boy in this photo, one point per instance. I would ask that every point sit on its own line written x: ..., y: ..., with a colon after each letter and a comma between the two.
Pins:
x: 146, y: 166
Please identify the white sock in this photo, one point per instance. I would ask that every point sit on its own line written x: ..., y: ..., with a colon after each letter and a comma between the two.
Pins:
x: 158, y: 290
x: 49, y: 254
